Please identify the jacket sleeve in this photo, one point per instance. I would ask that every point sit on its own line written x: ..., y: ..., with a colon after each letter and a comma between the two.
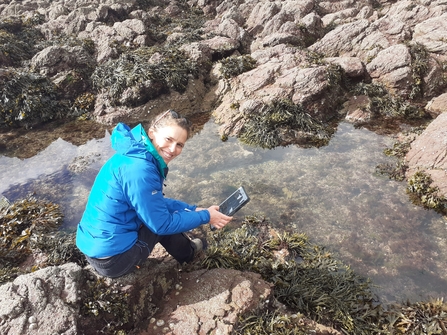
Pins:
x: 143, y: 188
x: 178, y: 206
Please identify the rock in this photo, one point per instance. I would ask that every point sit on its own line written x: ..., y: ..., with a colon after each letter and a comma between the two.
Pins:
x: 391, y: 67
x: 55, y: 59
x: 356, y: 109
x: 352, y: 66
x: 209, y: 301
x: 343, y: 40
x: 52, y: 300
x: 43, y: 302
x: 428, y: 152
x: 437, y: 105
x: 431, y: 33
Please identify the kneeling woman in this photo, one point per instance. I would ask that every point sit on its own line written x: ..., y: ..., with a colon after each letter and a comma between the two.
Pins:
x: 126, y: 212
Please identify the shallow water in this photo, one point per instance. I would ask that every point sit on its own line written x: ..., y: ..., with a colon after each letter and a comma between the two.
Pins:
x: 332, y: 194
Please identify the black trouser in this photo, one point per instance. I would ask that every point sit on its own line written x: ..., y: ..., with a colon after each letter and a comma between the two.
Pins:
x: 178, y: 246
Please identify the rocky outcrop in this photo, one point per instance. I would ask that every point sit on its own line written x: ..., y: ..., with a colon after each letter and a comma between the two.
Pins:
x: 158, y: 298
x: 428, y: 152
x: 295, y: 44
x: 44, y: 302
x: 209, y: 301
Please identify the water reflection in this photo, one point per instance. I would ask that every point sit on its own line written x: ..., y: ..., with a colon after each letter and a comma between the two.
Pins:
x: 331, y: 193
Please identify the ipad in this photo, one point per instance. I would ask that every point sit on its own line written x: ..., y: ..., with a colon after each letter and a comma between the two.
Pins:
x: 234, y: 202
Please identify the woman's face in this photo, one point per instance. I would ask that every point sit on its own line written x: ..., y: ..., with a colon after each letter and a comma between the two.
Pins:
x: 169, y: 141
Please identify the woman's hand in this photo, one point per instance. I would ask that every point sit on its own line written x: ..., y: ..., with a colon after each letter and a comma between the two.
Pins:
x: 217, y: 219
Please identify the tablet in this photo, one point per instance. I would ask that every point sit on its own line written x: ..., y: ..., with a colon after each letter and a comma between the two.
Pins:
x: 234, y: 202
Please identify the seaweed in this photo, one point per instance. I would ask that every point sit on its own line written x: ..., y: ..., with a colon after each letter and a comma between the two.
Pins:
x: 235, y: 65
x: 19, y: 223
x: 422, y: 193
x: 308, y: 281
x: 271, y: 126
x: 134, y: 71
x: 59, y: 247
x: 273, y: 322
x: 306, y: 278
x: 384, y: 104
x: 417, y: 318
x: 17, y: 41
x: 419, y: 67
x: 108, y: 303
x: 28, y: 98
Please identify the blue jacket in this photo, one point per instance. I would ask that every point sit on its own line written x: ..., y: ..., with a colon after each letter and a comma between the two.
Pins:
x: 127, y: 193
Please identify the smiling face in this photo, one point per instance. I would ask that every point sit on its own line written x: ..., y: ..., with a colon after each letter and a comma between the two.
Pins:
x: 169, y: 141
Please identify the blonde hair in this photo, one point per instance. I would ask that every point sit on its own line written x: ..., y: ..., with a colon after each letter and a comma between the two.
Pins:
x: 169, y: 118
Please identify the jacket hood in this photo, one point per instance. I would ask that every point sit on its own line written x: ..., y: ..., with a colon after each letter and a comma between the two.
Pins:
x: 136, y: 143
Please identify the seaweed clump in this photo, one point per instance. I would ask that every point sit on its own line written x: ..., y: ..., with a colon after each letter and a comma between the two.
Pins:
x: 29, y: 227
x: 309, y: 282
x: 28, y: 98
x: 306, y: 278
x: 384, y: 105
x: 236, y: 65
x: 19, y: 223
x: 399, y: 150
x: 281, y: 123
x: 422, y: 192
x: 418, y: 318
x: 17, y: 41
x: 419, y: 67
x: 142, y: 79
x: 102, y: 302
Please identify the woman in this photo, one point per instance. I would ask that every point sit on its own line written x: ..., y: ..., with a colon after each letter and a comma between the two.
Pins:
x: 126, y: 213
